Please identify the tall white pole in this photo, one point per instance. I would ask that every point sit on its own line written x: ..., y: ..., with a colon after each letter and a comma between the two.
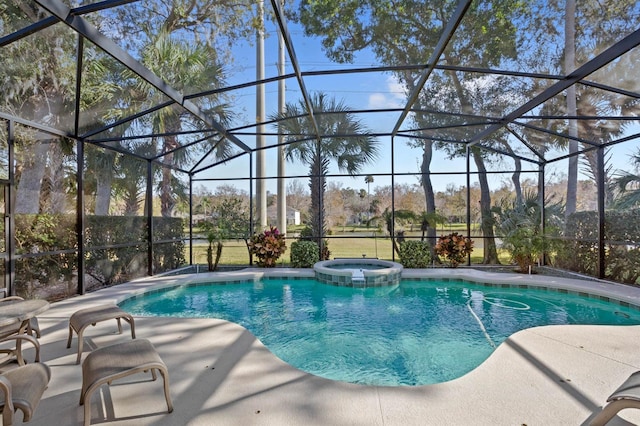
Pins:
x: 282, y: 190
x: 261, y: 185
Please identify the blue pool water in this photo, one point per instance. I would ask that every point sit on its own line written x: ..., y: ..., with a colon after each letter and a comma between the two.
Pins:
x: 417, y: 333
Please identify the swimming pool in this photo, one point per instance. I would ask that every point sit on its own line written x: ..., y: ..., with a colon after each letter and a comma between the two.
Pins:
x: 418, y: 332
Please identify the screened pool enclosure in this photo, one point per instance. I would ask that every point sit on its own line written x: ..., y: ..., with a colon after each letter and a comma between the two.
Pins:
x: 135, y: 135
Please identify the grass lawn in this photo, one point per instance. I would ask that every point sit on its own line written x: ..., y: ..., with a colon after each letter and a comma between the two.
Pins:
x: 352, y: 243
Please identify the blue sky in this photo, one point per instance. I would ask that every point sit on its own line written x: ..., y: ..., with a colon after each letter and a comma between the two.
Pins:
x: 360, y: 91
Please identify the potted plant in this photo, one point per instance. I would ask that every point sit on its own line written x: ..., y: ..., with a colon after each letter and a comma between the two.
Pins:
x: 454, y: 248
x: 267, y: 247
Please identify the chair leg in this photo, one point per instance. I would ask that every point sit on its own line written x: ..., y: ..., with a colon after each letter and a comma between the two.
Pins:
x: 19, y: 356
x: 9, y: 409
x: 7, y: 417
x: 87, y: 414
x: 167, y: 395
x: 70, y: 337
x: 132, y: 325
x: 80, y: 345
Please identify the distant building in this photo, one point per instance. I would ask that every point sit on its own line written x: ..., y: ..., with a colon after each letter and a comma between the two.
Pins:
x: 293, y: 216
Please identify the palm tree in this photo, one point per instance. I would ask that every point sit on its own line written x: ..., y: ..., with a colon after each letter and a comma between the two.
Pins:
x: 628, y: 185
x: 368, y: 180
x: 390, y: 217
x: 188, y: 68
x: 205, y: 203
x: 130, y: 180
x: 519, y: 223
x: 343, y: 139
x: 37, y: 85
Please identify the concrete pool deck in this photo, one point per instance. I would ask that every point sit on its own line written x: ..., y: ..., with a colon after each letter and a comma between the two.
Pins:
x: 221, y: 374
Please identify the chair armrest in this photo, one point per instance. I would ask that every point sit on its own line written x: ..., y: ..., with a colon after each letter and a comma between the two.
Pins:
x: 5, y: 299
x: 18, y: 354
x: 26, y: 337
x: 5, y: 388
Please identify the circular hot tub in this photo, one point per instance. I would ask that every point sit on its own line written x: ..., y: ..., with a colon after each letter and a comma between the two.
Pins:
x: 358, y: 272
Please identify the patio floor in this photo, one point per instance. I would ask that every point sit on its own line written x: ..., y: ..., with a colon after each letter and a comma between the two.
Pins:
x: 221, y: 374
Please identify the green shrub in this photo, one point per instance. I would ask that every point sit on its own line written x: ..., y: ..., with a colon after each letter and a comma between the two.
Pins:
x: 115, y: 250
x: 116, y: 247
x: 518, y: 223
x: 37, y: 238
x: 306, y: 234
x: 415, y: 254
x: 304, y: 254
x: 622, y: 252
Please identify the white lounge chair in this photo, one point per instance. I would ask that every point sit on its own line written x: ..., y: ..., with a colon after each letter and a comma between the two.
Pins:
x: 109, y: 363
x: 21, y: 388
x: 18, y: 336
x: 81, y: 319
x: 626, y: 396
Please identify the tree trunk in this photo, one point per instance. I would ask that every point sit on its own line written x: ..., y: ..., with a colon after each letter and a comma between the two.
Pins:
x: 425, y: 179
x: 104, y: 179
x: 210, y: 256
x: 429, y: 195
x: 515, y: 177
x: 167, y: 200
x: 486, y: 219
x: 57, y: 195
x: 592, y: 160
x: 317, y: 184
x: 30, y: 184
x: 569, y: 66
x: 218, y: 255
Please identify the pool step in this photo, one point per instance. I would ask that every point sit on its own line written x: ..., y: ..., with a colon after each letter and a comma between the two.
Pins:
x: 357, y: 275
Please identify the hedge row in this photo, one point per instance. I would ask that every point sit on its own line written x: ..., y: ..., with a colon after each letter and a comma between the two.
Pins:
x: 36, y: 234
x: 622, y: 245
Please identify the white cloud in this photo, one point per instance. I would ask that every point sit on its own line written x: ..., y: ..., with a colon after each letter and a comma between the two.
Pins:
x: 393, y: 97
x: 377, y: 100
